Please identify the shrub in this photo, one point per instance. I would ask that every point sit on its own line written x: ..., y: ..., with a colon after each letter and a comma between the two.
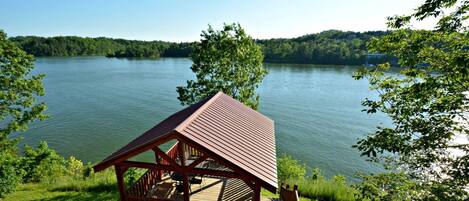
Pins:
x: 42, y: 163
x: 131, y: 176
x: 75, y: 167
x: 88, y: 170
x: 289, y: 168
x: 388, y: 186
x: 9, y: 177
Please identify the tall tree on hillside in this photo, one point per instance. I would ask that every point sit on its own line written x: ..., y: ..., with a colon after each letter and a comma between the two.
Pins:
x: 18, y: 107
x: 426, y: 150
x: 227, y: 60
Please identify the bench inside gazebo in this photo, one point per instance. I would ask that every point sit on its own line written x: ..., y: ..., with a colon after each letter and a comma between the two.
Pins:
x: 222, y: 150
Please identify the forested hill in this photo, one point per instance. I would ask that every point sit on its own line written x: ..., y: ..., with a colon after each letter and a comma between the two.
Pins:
x: 80, y: 46
x: 328, y: 47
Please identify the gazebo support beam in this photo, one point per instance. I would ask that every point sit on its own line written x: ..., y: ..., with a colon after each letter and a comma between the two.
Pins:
x: 120, y: 181
x: 163, y: 155
x: 219, y: 173
x: 198, y: 161
x: 184, y: 172
x: 157, y: 161
x: 257, y: 192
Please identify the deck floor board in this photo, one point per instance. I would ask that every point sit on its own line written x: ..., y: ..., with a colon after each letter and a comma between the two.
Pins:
x: 211, y: 189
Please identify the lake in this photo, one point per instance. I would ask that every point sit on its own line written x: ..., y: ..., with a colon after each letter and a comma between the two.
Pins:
x: 97, y: 104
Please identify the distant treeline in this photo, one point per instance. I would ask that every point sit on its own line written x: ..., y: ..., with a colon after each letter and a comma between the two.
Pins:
x: 80, y: 46
x: 328, y: 47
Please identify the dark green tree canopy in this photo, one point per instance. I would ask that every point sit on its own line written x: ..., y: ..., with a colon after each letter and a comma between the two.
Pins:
x: 18, y: 92
x: 227, y: 60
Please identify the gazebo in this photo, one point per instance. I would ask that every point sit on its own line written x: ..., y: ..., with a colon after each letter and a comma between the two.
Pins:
x: 222, y: 150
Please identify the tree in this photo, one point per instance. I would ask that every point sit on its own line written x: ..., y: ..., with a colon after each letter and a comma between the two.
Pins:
x: 228, y: 60
x: 289, y: 168
x: 452, y: 22
x: 18, y: 107
x: 428, y: 104
x: 18, y: 91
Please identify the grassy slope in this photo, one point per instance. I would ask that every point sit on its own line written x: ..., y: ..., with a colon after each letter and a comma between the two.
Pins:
x: 43, y: 192
x: 265, y: 193
x: 100, y: 186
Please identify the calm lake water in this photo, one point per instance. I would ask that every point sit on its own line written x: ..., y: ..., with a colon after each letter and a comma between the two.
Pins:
x: 96, y: 105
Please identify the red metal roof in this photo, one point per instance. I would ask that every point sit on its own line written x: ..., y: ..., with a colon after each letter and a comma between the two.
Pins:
x: 224, y: 126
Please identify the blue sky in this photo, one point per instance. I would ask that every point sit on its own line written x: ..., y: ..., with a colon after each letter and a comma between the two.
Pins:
x: 175, y: 20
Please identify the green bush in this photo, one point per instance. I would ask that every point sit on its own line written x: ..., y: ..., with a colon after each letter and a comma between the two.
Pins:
x: 388, y: 186
x: 42, y: 163
x: 75, y: 167
x: 289, y: 168
x: 9, y: 177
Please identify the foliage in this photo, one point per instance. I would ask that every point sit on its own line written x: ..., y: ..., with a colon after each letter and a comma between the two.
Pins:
x: 18, y: 92
x: 327, y: 47
x: 428, y: 104
x: 289, y: 168
x: 387, y: 186
x: 132, y: 175
x: 75, y: 167
x: 9, y: 176
x: 42, y: 163
x: 324, y: 190
x: 227, y: 60
x: 452, y: 22
x: 314, y: 186
x: 317, y: 187
x: 80, y: 46
x: 275, y: 196
x: 425, y: 103
x: 104, y: 181
x: 139, y: 51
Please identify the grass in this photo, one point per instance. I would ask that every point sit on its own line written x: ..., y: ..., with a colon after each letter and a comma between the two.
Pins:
x: 324, y: 190
x: 37, y: 191
x: 268, y: 194
x: 100, y: 186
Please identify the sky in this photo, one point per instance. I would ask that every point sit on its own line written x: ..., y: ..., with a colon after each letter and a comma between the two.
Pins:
x: 182, y: 21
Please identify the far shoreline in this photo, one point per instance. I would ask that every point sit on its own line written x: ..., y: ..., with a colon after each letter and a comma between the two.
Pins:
x: 150, y: 58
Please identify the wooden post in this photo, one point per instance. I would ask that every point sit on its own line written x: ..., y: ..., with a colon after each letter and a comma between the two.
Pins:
x: 185, y: 182
x: 257, y: 192
x: 157, y: 161
x: 185, y: 179
x: 120, y: 182
x: 182, y: 155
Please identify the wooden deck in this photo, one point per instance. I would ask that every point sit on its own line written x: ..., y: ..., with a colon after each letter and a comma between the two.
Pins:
x: 211, y: 189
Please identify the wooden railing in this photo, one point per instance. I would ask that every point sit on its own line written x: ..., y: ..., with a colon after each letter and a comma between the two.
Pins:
x: 193, y: 153
x: 143, y: 184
